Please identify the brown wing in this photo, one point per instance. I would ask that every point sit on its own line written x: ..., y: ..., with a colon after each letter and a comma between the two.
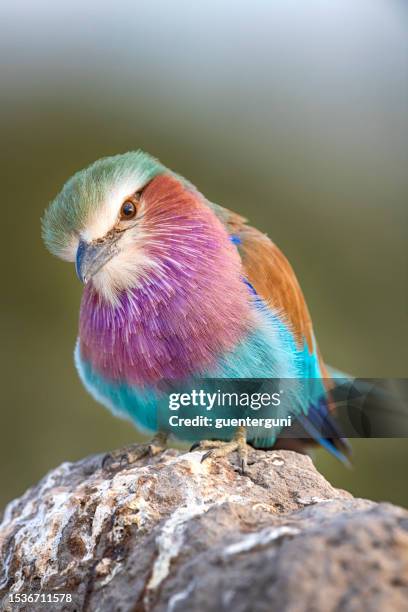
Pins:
x: 273, y: 278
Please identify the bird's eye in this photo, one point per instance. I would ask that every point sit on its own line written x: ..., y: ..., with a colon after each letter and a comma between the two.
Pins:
x: 128, y: 210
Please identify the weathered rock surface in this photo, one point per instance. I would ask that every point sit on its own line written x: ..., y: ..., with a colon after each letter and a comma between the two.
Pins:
x: 172, y: 534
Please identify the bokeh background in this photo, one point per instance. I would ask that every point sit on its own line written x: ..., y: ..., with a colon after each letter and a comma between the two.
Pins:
x: 293, y: 112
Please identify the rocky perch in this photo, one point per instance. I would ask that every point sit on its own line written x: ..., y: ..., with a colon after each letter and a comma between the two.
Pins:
x: 172, y: 533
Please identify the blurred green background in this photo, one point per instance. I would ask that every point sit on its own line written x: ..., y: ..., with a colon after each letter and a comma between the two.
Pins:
x: 293, y: 113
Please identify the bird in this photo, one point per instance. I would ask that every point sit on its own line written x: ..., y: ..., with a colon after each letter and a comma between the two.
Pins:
x: 180, y: 289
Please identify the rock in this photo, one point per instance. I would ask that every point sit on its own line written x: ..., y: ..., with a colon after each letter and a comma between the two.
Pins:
x: 170, y: 533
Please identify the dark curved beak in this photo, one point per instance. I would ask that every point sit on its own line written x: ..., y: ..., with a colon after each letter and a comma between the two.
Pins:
x: 92, y: 256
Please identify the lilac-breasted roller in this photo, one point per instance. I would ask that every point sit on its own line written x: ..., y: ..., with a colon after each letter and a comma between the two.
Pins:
x: 179, y: 288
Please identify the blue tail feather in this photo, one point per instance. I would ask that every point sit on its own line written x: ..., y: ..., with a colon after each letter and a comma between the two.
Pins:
x: 321, y: 426
x: 327, y: 443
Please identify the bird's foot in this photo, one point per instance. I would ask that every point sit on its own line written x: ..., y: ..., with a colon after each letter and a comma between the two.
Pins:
x: 218, y: 448
x: 131, y: 454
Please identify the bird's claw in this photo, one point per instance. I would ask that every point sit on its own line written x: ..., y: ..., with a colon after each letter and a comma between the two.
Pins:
x: 154, y: 449
x: 217, y: 449
x: 194, y: 447
x: 123, y: 459
x: 226, y: 450
x: 134, y: 453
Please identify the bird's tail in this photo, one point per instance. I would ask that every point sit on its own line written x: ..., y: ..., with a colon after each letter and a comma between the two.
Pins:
x: 322, y: 427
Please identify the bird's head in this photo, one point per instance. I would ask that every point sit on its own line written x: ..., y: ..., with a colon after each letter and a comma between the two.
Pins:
x: 126, y: 217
